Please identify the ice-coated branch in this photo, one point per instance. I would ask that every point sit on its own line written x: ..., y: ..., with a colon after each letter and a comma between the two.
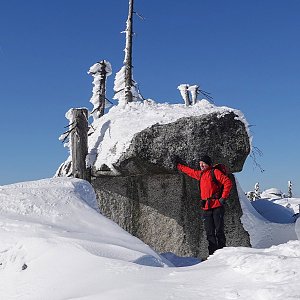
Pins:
x: 139, y: 15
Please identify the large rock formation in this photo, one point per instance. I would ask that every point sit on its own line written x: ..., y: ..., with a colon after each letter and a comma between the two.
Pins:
x: 154, y: 202
x: 220, y: 135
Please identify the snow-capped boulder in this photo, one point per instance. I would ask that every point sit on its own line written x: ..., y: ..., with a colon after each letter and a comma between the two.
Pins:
x: 153, y: 149
x: 144, y: 138
x: 136, y: 179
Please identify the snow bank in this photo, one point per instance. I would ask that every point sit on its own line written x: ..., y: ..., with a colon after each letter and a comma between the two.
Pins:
x: 262, y: 273
x: 62, y: 212
x: 272, y: 193
x: 273, y: 211
x: 263, y: 233
x: 297, y: 228
x: 292, y: 204
x: 115, y: 130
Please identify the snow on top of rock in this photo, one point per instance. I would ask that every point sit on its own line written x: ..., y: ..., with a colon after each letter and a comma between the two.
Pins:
x: 115, y: 130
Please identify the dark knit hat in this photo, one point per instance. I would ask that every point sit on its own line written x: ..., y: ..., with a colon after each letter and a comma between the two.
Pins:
x: 206, y: 159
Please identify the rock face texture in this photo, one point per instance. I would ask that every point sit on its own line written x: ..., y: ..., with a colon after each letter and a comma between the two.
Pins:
x: 223, y: 137
x: 159, y: 205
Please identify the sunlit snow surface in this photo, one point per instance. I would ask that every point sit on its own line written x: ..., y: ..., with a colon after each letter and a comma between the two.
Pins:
x: 55, y: 245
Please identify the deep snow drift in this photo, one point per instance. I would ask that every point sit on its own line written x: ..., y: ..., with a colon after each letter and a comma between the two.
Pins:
x: 67, y: 250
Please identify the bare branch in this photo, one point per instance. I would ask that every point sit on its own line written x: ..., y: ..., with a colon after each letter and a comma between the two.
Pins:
x: 67, y: 133
x: 69, y: 125
x: 116, y: 92
x: 108, y: 100
x: 140, y: 16
x: 206, y: 94
x: 256, y: 151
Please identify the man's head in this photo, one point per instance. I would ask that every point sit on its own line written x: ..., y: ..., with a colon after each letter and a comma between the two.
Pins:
x: 205, y: 162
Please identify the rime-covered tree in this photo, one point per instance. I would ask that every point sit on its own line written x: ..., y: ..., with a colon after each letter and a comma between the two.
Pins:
x: 256, y: 191
x: 194, y: 89
x: 100, y: 71
x: 128, y: 53
x: 184, y: 91
x: 290, y: 194
x: 126, y: 89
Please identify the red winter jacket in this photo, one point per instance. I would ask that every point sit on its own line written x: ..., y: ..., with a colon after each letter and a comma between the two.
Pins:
x: 207, y: 186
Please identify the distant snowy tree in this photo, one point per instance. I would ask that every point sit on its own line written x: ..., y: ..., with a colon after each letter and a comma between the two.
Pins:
x: 250, y: 195
x: 125, y: 87
x: 100, y: 71
x: 194, y: 89
x: 290, y: 194
x: 256, y: 191
x: 184, y: 91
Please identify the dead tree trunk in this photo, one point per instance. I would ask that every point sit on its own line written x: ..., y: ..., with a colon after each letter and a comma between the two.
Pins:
x: 102, y: 90
x: 79, y: 144
x: 184, y: 91
x: 128, y: 54
x: 194, y: 89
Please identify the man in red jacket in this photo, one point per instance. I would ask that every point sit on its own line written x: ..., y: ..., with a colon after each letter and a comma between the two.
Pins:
x: 213, y: 200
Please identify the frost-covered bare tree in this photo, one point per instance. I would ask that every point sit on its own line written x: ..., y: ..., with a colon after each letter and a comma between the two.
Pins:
x: 184, y: 91
x: 100, y: 71
x: 126, y: 89
x: 290, y: 194
x: 189, y: 93
x: 250, y: 195
x: 194, y: 89
x: 128, y: 53
x: 256, y: 191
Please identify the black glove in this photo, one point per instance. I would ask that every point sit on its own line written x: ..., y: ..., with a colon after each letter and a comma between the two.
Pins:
x: 222, y: 201
x: 177, y: 160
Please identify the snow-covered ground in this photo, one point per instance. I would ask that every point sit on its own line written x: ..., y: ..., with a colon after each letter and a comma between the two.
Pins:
x: 55, y: 245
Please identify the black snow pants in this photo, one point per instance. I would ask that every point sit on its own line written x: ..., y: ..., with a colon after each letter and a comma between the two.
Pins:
x: 214, y: 227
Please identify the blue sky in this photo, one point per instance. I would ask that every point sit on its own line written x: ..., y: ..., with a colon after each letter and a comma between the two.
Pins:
x: 246, y: 53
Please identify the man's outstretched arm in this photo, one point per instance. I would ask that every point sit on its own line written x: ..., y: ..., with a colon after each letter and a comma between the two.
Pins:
x: 189, y: 171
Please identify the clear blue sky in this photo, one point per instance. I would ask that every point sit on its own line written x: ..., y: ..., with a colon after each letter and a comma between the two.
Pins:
x: 246, y: 53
